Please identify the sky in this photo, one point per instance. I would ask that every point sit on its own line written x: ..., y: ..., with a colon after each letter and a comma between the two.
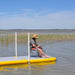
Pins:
x: 37, y: 14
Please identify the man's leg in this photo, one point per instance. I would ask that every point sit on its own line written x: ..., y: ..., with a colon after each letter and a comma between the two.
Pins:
x: 42, y: 53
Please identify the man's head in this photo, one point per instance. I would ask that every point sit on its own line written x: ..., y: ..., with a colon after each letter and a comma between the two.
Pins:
x: 35, y: 36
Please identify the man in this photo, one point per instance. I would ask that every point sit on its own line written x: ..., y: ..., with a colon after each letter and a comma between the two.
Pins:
x: 35, y: 47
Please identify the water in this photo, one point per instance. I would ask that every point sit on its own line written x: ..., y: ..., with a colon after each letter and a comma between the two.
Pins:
x: 64, y: 51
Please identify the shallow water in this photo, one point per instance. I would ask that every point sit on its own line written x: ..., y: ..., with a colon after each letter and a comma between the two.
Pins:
x: 64, y: 51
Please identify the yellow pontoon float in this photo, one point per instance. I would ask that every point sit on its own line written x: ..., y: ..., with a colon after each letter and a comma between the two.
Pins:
x: 23, y: 59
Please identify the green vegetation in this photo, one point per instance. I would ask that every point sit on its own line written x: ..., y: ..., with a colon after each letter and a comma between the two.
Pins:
x: 2, y: 31
x: 58, y: 37
x: 8, y: 38
x: 42, y: 37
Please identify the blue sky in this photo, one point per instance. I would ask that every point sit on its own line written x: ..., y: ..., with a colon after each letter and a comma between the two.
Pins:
x: 37, y: 14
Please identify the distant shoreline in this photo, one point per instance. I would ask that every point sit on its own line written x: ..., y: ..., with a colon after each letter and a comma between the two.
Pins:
x: 35, y: 29
x: 46, y: 31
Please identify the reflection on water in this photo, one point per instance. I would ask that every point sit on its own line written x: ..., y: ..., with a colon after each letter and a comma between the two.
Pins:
x: 63, y: 50
x: 25, y: 66
x: 31, y: 69
x: 12, y: 67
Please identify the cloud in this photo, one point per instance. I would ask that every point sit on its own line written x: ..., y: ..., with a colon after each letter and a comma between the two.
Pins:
x: 57, y: 20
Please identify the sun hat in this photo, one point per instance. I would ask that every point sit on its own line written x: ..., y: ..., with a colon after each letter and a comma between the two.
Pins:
x: 35, y: 36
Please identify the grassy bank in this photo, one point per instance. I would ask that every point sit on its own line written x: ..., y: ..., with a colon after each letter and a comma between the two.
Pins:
x: 42, y: 37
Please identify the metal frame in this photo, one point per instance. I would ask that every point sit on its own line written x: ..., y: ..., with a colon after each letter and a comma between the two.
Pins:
x: 16, y: 44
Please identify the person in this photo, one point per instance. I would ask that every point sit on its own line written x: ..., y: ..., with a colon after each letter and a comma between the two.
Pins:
x: 36, y: 48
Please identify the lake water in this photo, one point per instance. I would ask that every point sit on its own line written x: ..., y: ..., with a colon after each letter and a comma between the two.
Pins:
x: 64, y: 51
